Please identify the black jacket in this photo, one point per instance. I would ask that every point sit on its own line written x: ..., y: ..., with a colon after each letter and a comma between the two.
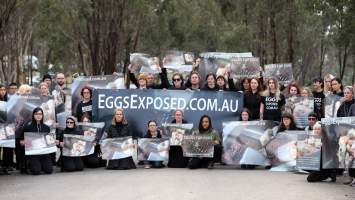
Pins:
x: 149, y: 135
x: 118, y: 130
x: 344, y: 109
x: 34, y: 127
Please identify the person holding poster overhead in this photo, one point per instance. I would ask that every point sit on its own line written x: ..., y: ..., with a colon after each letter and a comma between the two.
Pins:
x: 119, y: 128
x: 205, y: 128
x: 153, y: 132
x: 70, y: 164
x: 37, y: 163
x: 272, y: 101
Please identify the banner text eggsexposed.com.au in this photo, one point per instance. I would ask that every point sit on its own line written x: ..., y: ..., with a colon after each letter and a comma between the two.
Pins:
x: 135, y: 101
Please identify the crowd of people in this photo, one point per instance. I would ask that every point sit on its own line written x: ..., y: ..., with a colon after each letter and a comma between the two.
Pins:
x: 262, y: 101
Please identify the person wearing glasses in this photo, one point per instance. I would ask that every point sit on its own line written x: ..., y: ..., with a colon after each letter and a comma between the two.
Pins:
x: 37, y: 163
x: 70, y: 164
x: 12, y: 88
x: 312, y: 120
x: 178, y: 82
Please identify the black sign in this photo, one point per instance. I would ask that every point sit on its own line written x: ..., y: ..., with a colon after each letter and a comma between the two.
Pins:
x: 143, y: 105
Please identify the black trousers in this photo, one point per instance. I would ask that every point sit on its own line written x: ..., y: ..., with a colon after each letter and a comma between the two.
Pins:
x: 176, y: 157
x: 71, y: 164
x: 20, y: 155
x: 7, y: 157
x: 124, y: 163
x: 40, y: 163
x: 94, y: 160
x: 196, y: 163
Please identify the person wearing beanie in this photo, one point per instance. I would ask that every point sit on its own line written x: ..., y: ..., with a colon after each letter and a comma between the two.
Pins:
x: 312, y: 119
x: 70, y: 164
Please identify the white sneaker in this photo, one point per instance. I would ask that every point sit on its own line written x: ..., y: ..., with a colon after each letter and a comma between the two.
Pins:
x: 147, y: 167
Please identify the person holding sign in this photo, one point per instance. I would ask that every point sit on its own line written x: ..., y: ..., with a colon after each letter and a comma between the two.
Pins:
x: 287, y: 123
x: 85, y: 106
x: 70, y: 164
x: 176, y: 156
x: 119, y: 128
x: 205, y: 128
x: 272, y: 101
x: 153, y: 132
x: 37, y: 163
x: 322, y: 174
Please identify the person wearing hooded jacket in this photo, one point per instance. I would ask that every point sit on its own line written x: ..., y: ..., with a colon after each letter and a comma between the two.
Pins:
x: 37, y: 163
x: 70, y: 164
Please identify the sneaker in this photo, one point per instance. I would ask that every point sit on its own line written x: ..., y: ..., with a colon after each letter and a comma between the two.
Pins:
x: 147, y: 167
x: 347, y: 179
x: 352, y: 184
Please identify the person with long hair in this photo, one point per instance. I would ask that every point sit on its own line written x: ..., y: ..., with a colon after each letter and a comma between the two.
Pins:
x: 38, y: 163
x: 119, y: 128
x: 287, y: 123
x: 293, y: 90
x: 337, y: 87
x: 7, y: 153
x: 252, y: 99
x: 272, y: 101
x: 69, y: 163
x: 153, y: 132
x: 211, y: 82
x: 205, y: 128
x: 193, y: 83
x: 178, y: 82
x: 322, y: 174
x: 328, y: 84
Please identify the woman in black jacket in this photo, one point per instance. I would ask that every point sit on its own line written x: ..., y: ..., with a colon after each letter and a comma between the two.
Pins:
x: 176, y: 156
x: 344, y: 109
x: 211, y: 82
x: 37, y: 163
x: 119, y: 128
x: 70, y: 164
x: 153, y: 132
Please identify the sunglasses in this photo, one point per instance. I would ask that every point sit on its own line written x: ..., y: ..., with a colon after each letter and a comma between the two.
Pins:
x: 176, y: 79
x: 311, y: 118
x: 69, y: 122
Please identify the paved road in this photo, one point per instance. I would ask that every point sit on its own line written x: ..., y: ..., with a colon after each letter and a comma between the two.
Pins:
x: 167, y: 183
